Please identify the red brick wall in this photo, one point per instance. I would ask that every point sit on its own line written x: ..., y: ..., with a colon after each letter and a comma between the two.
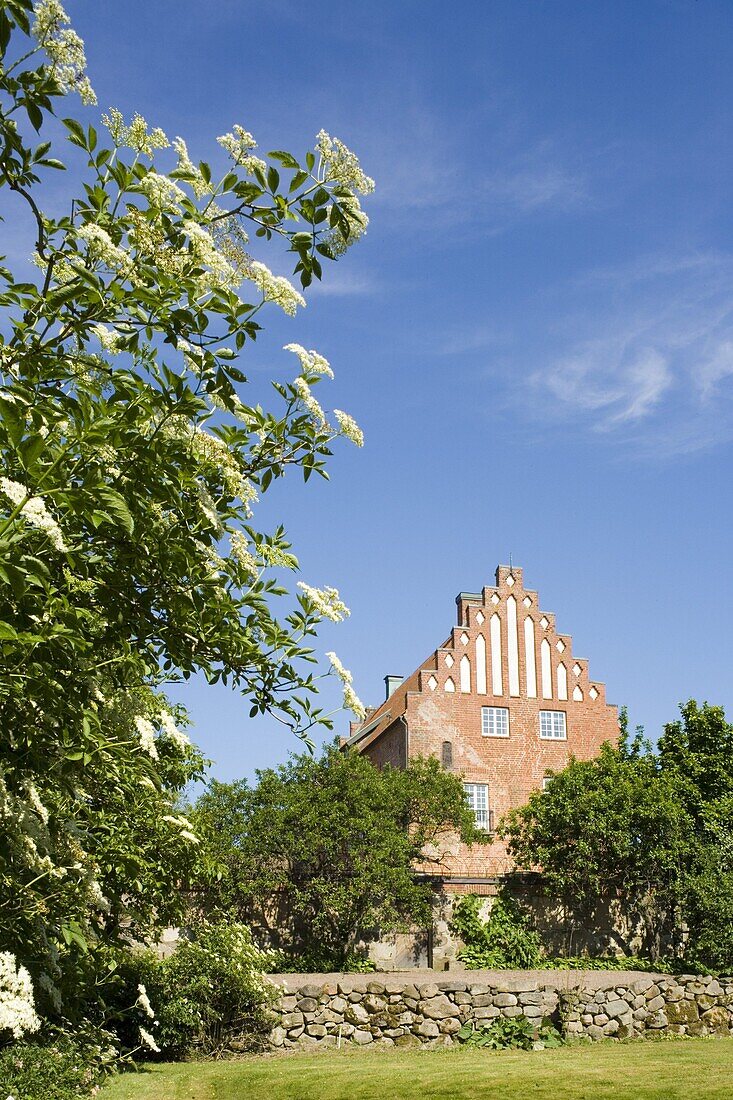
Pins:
x: 512, y: 767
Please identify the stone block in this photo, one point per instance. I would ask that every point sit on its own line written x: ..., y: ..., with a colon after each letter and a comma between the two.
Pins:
x: 328, y: 1016
x: 463, y: 998
x: 307, y: 1040
x: 586, y: 1019
x: 656, y: 1004
x: 393, y: 1032
x: 427, y: 992
x: 482, y: 999
x: 438, y: 1008
x: 310, y: 991
x: 717, y: 1020
x: 330, y: 989
x: 674, y: 993
x: 450, y: 1026
x: 362, y: 1037
x: 287, y: 1004
x: 682, y: 1012
x: 393, y: 986
x: 455, y: 986
x: 652, y: 992
x: 296, y: 1032
x: 316, y: 1029
x: 375, y: 987
x: 277, y: 1036
x: 488, y: 1013
x: 411, y: 991
x: 479, y: 990
x: 355, y: 996
x: 611, y: 1027
x: 641, y: 985
x: 291, y: 1020
x: 512, y: 1010
x: 428, y: 1028
x: 337, y: 1004
x: 594, y: 1032
x: 533, y: 998
x: 373, y: 1003
x: 502, y: 1000
x: 601, y: 1019
x: 308, y: 1004
x: 640, y: 1013
x: 407, y: 1041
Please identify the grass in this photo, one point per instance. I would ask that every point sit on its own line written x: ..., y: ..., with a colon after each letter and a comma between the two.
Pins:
x: 693, y: 1069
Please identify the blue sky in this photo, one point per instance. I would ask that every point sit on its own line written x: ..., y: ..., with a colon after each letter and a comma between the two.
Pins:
x: 536, y: 334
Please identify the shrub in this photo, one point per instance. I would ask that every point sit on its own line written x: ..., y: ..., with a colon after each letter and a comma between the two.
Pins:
x: 510, y: 1033
x: 209, y: 992
x: 504, y: 940
x: 63, y: 1070
x: 280, y: 962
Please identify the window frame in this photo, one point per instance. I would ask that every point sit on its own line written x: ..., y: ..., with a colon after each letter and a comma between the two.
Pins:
x: 554, y: 715
x: 470, y: 791
x: 485, y: 713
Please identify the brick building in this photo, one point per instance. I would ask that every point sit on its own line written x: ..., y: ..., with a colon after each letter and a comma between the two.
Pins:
x: 503, y: 702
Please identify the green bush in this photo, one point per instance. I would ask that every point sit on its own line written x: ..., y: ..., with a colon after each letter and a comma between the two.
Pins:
x: 605, y: 962
x: 510, y: 1033
x: 281, y: 962
x: 504, y: 940
x: 209, y: 992
x: 33, y: 1071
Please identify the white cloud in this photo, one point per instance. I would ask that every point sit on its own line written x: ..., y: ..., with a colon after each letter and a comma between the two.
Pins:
x: 646, y: 354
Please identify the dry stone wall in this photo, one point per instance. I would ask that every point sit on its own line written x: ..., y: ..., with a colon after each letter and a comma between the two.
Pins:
x: 425, y: 1010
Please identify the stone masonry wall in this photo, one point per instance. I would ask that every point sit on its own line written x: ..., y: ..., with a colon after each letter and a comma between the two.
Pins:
x: 416, y: 1009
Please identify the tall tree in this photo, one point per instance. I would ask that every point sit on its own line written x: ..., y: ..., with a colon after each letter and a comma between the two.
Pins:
x: 322, y: 850
x: 134, y: 451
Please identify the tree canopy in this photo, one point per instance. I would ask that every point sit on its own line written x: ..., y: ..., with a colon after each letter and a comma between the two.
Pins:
x: 647, y: 826
x: 324, y: 849
x: 134, y: 450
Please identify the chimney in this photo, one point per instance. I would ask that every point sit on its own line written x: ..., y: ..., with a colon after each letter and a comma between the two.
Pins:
x: 391, y: 683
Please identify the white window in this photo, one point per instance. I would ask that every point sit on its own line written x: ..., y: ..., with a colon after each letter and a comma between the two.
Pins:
x: 477, y: 796
x: 552, y: 725
x: 547, y: 779
x: 495, y: 721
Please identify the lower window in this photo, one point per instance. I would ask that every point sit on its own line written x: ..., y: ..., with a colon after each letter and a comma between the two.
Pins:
x: 553, y: 725
x: 477, y: 796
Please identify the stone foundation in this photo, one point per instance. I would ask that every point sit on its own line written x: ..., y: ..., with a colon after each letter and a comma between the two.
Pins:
x: 423, y: 1009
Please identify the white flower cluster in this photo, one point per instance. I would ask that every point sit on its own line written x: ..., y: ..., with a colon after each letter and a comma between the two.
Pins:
x: 352, y: 701
x: 144, y: 1001
x: 102, y: 247
x: 65, y: 49
x: 341, y: 165
x: 146, y: 733
x: 172, y: 732
x: 214, y: 453
x: 326, y: 601
x: 17, y: 1010
x: 310, y: 361
x: 303, y: 391
x: 349, y: 428
x: 275, y: 288
x: 136, y: 136
x: 239, y: 146
x: 108, y: 338
x: 242, y: 554
x: 185, y: 164
x: 183, y: 824
x: 148, y: 1040
x: 35, y: 801
x: 221, y: 273
x: 97, y: 898
x: 161, y: 192
x: 34, y: 512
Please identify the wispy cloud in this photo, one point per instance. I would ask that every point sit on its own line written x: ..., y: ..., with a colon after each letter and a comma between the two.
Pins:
x: 646, y: 353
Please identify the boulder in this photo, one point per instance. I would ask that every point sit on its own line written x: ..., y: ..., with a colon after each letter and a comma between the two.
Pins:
x: 438, y: 1008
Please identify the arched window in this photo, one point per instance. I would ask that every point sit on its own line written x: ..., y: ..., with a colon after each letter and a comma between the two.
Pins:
x: 446, y: 756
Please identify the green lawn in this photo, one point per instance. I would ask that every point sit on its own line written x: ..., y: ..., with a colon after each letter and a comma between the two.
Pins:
x: 691, y: 1069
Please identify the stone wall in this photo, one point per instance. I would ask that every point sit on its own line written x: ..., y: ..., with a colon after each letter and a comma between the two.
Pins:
x: 421, y: 1008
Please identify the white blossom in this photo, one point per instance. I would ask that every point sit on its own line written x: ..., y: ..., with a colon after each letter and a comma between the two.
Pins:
x: 146, y: 732
x: 34, y: 512
x: 172, y: 732
x: 185, y: 164
x: 343, y: 673
x: 275, y: 288
x: 96, y: 896
x: 108, y: 338
x: 144, y: 1001
x: 136, y: 136
x: 203, y: 247
x: 207, y: 505
x: 353, y: 703
x: 148, y: 1040
x: 310, y: 361
x: 242, y: 554
x: 326, y: 601
x: 161, y: 191
x: 304, y: 393
x: 17, y: 1009
x: 65, y: 49
x: 239, y: 145
x: 349, y: 427
x: 35, y: 801
x: 102, y: 247
x: 341, y: 165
